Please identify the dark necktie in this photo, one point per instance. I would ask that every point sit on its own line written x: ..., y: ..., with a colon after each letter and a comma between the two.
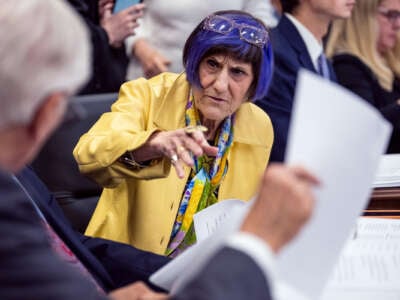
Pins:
x: 323, y: 68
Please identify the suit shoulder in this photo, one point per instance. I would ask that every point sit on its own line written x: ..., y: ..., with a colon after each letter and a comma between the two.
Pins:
x: 280, y: 44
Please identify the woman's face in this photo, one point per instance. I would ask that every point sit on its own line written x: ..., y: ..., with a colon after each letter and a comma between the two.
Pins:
x: 389, y: 24
x: 225, y: 86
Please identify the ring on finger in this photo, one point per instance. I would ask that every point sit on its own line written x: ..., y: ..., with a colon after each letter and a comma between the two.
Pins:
x: 174, y: 158
x: 191, y: 129
x: 180, y: 150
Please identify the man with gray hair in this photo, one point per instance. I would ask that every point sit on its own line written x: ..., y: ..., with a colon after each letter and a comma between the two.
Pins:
x: 44, y: 58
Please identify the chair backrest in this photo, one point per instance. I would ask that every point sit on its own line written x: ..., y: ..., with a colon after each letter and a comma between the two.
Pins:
x: 56, y: 166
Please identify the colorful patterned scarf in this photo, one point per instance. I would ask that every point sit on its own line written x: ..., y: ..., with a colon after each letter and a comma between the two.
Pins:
x: 202, y: 186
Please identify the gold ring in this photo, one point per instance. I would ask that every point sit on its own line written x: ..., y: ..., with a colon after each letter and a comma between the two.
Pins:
x: 192, y: 129
x: 174, y: 158
x: 180, y: 150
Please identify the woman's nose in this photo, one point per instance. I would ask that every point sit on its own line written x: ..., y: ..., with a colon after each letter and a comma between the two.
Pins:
x: 221, y: 81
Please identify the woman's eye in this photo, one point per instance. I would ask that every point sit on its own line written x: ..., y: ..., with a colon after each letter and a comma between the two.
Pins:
x: 238, y: 72
x: 212, y: 63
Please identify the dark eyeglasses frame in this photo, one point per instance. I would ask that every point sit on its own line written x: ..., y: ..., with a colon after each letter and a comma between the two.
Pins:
x: 390, y: 14
x: 241, y: 27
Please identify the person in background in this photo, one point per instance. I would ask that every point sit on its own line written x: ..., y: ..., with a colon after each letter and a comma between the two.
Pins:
x: 200, y: 123
x: 158, y: 43
x: 365, y: 50
x: 108, y: 32
x: 297, y: 43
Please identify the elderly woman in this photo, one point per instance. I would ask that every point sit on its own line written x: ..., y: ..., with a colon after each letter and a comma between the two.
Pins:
x: 366, y: 57
x: 201, y: 123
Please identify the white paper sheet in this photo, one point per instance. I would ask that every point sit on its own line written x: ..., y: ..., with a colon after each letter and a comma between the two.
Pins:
x: 340, y: 139
x: 369, y: 263
x: 176, y: 273
x: 207, y: 221
x: 377, y: 229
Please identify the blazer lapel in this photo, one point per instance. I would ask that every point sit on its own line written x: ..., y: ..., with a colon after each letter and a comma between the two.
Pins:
x: 290, y: 32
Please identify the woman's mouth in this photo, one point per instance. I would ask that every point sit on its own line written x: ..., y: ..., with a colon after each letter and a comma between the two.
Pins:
x: 217, y: 99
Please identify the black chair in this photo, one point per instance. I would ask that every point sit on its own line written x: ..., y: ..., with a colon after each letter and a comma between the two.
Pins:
x: 56, y: 166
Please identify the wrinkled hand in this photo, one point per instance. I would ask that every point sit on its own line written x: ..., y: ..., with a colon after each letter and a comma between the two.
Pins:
x: 137, y: 291
x: 151, y: 60
x: 284, y: 204
x: 121, y: 25
x: 176, y: 145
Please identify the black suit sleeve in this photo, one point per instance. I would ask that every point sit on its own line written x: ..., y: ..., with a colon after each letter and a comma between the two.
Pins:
x: 124, y: 263
x: 230, y: 274
x: 29, y: 269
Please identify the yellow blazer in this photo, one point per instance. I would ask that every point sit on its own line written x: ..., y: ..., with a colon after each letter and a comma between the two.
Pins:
x: 141, y: 212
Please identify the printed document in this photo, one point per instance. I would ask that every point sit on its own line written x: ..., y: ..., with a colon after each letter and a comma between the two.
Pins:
x: 369, y: 264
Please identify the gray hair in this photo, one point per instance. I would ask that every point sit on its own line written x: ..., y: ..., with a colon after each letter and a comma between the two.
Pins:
x: 44, y: 48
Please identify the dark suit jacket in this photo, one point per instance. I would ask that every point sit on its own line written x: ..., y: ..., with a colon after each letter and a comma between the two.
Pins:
x: 109, y: 64
x: 229, y: 275
x: 359, y: 78
x: 290, y: 54
x: 112, y: 264
x: 29, y: 269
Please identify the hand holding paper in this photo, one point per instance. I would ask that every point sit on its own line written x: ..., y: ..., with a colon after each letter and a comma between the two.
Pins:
x: 285, y: 202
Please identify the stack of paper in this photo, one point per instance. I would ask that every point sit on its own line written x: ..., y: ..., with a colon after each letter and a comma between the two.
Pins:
x: 388, y: 174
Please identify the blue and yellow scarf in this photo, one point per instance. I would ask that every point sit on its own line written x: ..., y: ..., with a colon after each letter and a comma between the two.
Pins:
x: 202, y: 186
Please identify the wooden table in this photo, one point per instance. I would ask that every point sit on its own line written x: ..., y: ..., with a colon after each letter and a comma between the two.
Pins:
x: 385, y: 202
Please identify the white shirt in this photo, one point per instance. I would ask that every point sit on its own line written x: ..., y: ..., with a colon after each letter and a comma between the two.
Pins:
x: 314, y: 47
x: 167, y: 24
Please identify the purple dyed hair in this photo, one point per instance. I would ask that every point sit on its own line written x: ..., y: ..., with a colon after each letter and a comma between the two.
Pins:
x: 202, y: 43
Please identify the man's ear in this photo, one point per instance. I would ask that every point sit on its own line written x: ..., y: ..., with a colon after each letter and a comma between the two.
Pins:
x: 48, y: 116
